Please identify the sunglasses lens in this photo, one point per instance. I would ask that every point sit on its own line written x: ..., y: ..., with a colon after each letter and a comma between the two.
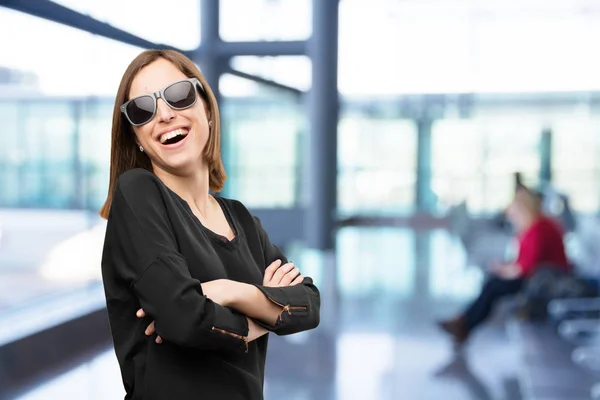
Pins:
x: 141, y: 109
x: 180, y: 95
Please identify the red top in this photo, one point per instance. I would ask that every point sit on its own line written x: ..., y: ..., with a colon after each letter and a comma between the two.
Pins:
x: 541, y: 243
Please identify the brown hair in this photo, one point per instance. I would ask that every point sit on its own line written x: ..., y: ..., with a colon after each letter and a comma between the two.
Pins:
x: 124, y: 154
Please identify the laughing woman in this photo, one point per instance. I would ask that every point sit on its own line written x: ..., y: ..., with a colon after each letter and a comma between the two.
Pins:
x: 192, y: 282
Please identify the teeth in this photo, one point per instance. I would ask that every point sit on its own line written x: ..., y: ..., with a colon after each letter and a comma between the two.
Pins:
x: 169, y: 135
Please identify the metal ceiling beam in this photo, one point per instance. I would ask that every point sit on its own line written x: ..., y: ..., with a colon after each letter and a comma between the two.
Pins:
x: 278, y: 48
x: 57, y: 13
x: 265, y: 81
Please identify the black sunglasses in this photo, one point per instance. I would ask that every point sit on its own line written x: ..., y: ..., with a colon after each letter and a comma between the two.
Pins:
x: 178, y: 95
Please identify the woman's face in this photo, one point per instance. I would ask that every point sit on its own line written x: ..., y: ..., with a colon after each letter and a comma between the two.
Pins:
x: 516, y: 214
x: 174, y: 139
x: 521, y: 211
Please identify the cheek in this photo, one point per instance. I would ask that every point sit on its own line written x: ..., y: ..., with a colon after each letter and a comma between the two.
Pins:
x: 200, y: 124
x: 197, y: 115
x: 143, y: 133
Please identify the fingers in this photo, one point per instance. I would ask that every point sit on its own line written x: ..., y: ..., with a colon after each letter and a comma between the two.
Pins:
x: 280, y: 273
x: 150, y: 329
x: 270, y: 270
x: 290, y: 276
x: 299, y: 279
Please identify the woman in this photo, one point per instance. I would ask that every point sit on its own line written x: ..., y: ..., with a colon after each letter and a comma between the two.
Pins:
x: 540, y: 244
x: 189, y: 295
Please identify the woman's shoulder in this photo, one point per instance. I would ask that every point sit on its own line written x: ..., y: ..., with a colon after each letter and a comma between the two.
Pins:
x: 552, y: 225
x: 139, y: 185
x: 136, y: 178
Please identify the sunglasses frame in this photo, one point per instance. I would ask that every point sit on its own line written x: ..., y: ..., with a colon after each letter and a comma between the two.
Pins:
x: 160, y: 94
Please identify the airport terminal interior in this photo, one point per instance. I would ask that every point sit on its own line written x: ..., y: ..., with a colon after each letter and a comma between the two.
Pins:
x: 381, y: 143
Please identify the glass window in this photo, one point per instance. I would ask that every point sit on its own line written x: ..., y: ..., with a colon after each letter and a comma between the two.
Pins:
x: 503, y: 39
x: 576, y: 160
x: 262, y: 137
x: 456, y: 162
x: 55, y: 153
x: 11, y: 155
x: 430, y: 50
x: 511, y: 144
x: 475, y: 159
x: 48, y: 145
x: 254, y: 20
x: 442, y: 47
x: 377, y: 165
x: 57, y: 89
x: 176, y: 23
x: 94, y: 144
x: 82, y: 64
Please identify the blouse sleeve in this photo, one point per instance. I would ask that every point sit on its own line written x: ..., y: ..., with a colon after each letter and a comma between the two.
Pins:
x: 300, y: 303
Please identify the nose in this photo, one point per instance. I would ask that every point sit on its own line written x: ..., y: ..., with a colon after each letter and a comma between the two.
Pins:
x: 163, y: 111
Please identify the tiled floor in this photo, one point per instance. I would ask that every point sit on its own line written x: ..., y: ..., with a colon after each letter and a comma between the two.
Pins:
x: 377, y: 339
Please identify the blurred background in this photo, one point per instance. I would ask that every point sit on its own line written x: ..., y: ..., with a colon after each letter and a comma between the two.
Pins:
x: 378, y: 142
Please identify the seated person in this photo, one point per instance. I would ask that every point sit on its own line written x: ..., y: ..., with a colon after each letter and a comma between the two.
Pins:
x: 540, y: 243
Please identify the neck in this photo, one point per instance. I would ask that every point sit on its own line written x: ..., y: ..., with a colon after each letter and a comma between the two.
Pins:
x: 193, y: 188
x: 530, y: 220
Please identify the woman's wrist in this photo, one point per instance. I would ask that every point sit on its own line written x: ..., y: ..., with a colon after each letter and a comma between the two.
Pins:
x: 240, y: 293
x: 254, y: 330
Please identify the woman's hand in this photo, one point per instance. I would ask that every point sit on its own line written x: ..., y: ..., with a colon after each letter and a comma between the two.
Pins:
x: 150, y: 329
x: 277, y: 275
x: 508, y: 271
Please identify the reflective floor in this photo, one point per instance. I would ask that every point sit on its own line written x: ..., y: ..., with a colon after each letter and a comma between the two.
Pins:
x: 377, y: 338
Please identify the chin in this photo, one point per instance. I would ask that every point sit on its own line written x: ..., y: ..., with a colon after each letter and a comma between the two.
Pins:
x: 177, y: 165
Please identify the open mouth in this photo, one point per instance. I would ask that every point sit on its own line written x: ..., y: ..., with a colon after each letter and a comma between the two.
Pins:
x: 173, y: 137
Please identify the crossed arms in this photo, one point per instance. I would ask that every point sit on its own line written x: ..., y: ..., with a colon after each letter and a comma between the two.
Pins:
x: 141, y: 250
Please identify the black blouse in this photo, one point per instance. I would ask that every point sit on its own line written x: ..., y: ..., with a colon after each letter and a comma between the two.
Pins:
x: 156, y: 253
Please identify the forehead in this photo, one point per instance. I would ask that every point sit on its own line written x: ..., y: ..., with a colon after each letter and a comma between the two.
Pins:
x: 154, y: 77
